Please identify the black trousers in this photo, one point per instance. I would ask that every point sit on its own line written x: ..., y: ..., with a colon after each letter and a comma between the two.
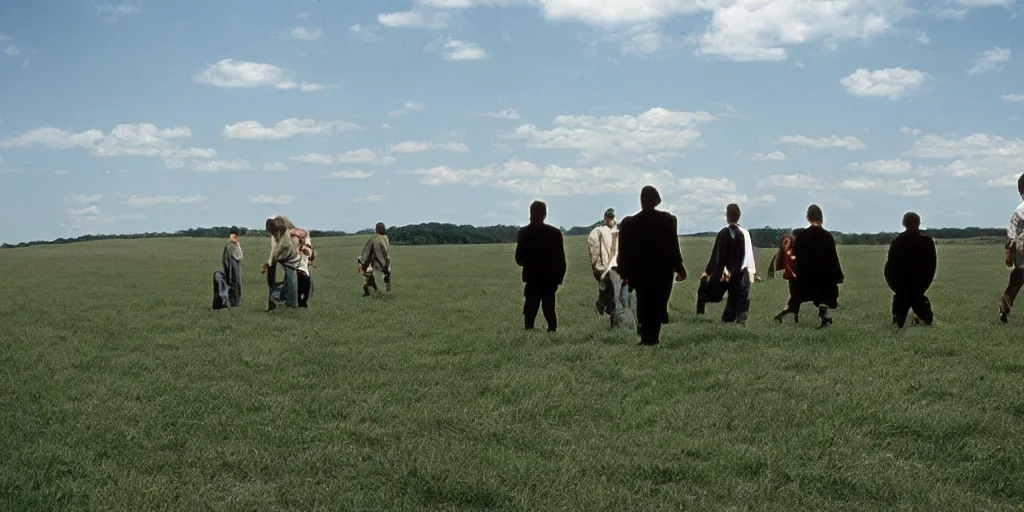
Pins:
x: 737, y: 306
x: 652, y: 308
x: 540, y: 296
x: 903, y: 302
x: 305, y: 289
x: 793, y: 305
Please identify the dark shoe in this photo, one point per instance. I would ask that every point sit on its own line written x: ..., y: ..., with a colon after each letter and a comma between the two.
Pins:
x: 780, y: 316
x: 796, y: 318
x: 271, y: 305
x: 1003, y: 317
x: 825, y: 322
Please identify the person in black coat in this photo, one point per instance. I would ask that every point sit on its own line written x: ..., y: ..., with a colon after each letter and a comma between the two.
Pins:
x: 725, y: 268
x: 820, y: 273
x: 648, y: 256
x: 541, y: 253
x: 909, y: 271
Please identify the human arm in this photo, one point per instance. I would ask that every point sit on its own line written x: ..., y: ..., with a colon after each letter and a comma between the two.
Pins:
x: 676, y: 254
x: 930, y: 263
x: 520, y: 249
x: 560, y: 263
x: 594, y: 246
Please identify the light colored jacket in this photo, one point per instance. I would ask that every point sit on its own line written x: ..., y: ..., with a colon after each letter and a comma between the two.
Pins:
x: 1013, y: 234
x: 304, y: 258
x: 603, y: 244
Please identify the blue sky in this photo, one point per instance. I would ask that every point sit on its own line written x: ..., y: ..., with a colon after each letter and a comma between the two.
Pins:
x: 153, y: 116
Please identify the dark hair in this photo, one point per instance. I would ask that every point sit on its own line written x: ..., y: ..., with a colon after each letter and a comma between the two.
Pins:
x: 732, y: 213
x: 814, y: 213
x: 911, y: 220
x: 379, y: 228
x: 233, y: 231
x: 1020, y: 184
x: 649, y: 197
x: 538, y: 210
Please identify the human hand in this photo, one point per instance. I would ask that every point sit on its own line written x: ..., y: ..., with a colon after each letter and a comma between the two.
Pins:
x: 264, y: 269
x: 680, y: 276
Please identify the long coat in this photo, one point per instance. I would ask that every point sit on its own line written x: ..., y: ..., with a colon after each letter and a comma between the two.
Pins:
x: 819, y: 274
x: 649, y: 247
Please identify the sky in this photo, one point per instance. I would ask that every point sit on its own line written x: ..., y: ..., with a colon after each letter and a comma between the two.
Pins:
x: 140, y: 116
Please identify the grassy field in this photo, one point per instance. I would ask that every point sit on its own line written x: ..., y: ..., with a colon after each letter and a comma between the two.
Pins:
x: 121, y: 390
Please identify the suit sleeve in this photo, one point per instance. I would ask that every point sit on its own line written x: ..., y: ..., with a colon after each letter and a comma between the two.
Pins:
x: 890, y: 264
x: 520, y: 249
x: 930, y: 262
x: 677, y: 256
x: 560, y: 257
x: 624, y: 257
x: 594, y: 245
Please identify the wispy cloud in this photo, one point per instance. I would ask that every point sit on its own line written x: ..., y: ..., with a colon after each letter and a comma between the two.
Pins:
x: 135, y: 200
x: 111, y: 12
x: 301, y: 33
x: 262, y: 199
x: 352, y: 175
x: 507, y: 114
x: 990, y: 60
x: 410, y: 106
x: 368, y: 199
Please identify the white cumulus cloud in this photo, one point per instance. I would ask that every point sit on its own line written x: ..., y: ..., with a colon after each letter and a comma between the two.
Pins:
x: 463, y: 50
x: 254, y: 130
x: 421, y: 146
x: 881, y: 167
x: 892, y: 83
x: 848, y: 143
x: 906, y: 130
x: 356, y: 156
x: 655, y: 129
x: 239, y: 73
x: 413, y: 19
x: 1013, y: 98
x: 84, y: 199
x: 142, y: 139
x: 774, y: 155
x: 793, y: 181
x: 274, y: 167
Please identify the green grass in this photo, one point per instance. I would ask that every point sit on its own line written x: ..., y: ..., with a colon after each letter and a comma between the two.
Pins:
x: 121, y: 390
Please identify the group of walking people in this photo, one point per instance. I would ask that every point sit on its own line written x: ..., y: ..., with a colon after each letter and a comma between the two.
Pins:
x: 292, y: 249
x: 639, y: 259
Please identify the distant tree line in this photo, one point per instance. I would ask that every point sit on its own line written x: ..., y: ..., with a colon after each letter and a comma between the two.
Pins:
x: 434, y: 233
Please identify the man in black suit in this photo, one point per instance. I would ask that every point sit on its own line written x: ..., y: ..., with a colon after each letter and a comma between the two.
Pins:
x: 541, y: 253
x: 909, y: 271
x: 648, y: 255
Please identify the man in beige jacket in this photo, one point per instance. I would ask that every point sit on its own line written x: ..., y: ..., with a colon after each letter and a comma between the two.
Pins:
x: 613, y: 296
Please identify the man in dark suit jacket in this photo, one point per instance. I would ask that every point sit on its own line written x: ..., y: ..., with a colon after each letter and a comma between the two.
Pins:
x: 820, y: 273
x: 648, y: 255
x: 541, y: 253
x: 910, y: 270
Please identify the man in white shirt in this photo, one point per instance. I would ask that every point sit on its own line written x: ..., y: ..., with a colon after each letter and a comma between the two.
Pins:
x: 613, y: 296
x: 1014, y: 256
